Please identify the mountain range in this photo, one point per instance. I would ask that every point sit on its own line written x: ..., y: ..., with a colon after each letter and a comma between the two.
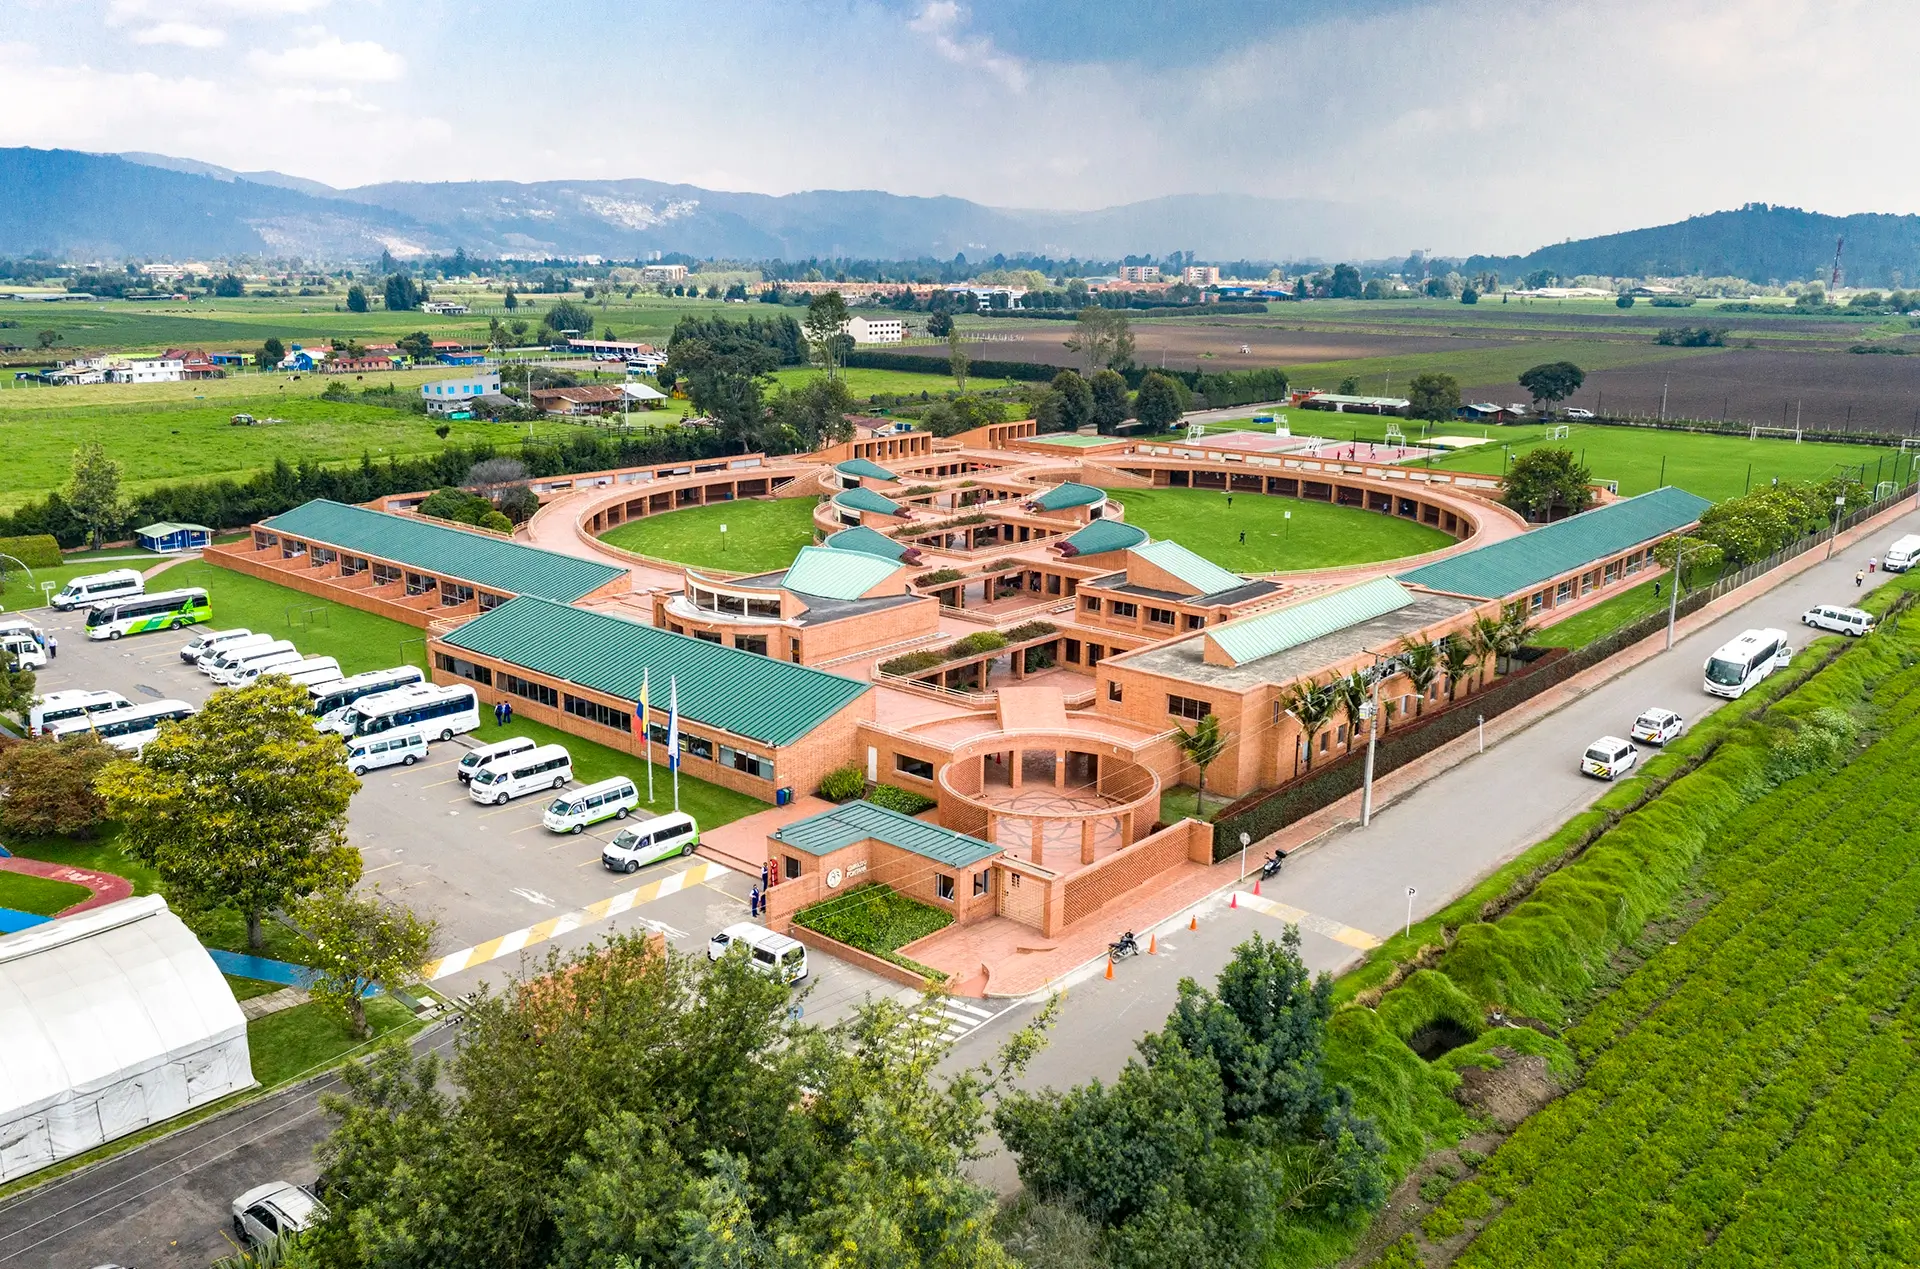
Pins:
x: 74, y: 205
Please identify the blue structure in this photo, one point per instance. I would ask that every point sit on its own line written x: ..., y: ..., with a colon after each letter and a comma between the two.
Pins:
x: 167, y: 537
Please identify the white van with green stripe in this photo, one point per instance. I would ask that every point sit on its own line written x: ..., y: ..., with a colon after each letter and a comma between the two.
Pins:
x: 609, y: 799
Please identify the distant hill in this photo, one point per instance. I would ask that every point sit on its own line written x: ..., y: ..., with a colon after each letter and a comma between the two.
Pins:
x: 1757, y: 242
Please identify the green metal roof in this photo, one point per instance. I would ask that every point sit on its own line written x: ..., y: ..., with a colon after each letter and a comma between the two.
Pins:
x: 1102, y: 536
x: 861, y: 498
x: 1206, y: 577
x: 775, y: 702
x: 472, y: 557
x: 868, y: 542
x: 161, y: 528
x: 1517, y: 565
x: 863, y: 468
x: 857, y: 821
x: 836, y: 574
x: 1264, y: 634
x: 1060, y: 497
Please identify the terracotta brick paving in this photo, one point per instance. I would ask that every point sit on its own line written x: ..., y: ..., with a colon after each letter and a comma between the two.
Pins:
x: 107, y: 888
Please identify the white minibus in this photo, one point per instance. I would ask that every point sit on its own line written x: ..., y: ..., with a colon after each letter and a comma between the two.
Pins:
x: 207, y: 660
x: 1740, y: 664
x: 300, y: 671
x: 60, y: 707
x: 207, y: 640
x: 395, y: 750
x: 94, y: 588
x: 774, y: 955
x: 330, y: 702
x: 1901, y: 555
x: 649, y: 841
x: 438, y: 713
x: 167, y: 610
x: 14, y: 623
x: 22, y: 652
x: 127, y: 729
x: 548, y: 767
x: 488, y: 754
x: 606, y: 800
x: 228, y: 664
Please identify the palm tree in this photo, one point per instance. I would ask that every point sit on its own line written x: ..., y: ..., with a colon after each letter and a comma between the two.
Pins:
x: 1456, y: 662
x: 1422, y: 665
x: 1311, y: 706
x: 1202, y: 746
x: 1485, y: 637
x: 1516, y: 627
x: 1352, y: 692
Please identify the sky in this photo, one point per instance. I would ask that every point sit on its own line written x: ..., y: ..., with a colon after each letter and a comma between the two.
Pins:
x: 1459, y: 125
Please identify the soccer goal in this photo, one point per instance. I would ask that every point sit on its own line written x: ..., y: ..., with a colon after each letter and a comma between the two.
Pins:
x: 1196, y: 430
x: 1884, y: 490
x: 1394, y: 435
x: 1755, y: 432
x: 1559, y: 433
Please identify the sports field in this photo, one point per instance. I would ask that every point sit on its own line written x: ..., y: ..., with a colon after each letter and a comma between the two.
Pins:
x: 761, y: 535
x: 1258, y: 534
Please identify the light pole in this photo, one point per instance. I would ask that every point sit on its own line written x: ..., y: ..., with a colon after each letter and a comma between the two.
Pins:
x: 723, y: 539
x: 1673, y: 600
x: 1371, y: 712
x: 1246, y: 840
x: 1286, y: 524
x: 1839, y: 504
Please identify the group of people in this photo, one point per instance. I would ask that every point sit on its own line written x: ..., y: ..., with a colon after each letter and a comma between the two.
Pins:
x: 757, y: 896
x: 502, y: 713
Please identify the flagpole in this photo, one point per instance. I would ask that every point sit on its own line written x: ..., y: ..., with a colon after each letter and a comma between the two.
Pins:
x: 646, y: 732
x: 673, y: 734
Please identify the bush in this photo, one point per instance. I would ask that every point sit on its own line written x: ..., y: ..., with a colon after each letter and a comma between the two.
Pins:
x: 912, y: 662
x: 843, y: 784
x: 975, y: 644
x: 495, y: 521
x: 876, y: 919
x: 457, y: 505
x: 1030, y: 630
x: 939, y: 577
x: 895, y: 798
x: 46, y: 787
x: 38, y: 550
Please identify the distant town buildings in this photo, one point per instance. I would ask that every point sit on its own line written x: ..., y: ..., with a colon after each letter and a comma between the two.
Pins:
x: 1139, y: 273
x: 876, y: 330
x: 663, y: 273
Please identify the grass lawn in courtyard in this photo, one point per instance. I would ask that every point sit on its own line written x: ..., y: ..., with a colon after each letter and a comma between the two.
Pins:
x: 879, y: 920
x: 762, y: 534
x: 906, y: 383
x: 318, y: 627
x: 41, y: 896
x: 1317, y: 536
x: 306, y: 1039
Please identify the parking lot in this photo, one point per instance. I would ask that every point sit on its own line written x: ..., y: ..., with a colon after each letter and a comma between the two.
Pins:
x: 504, y: 889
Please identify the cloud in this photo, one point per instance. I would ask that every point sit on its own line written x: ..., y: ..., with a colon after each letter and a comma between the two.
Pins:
x: 185, y: 34
x: 329, y: 58
x: 943, y: 23
x: 122, y: 12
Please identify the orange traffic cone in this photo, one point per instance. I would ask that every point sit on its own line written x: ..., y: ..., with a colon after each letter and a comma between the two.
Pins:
x: 1256, y: 885
x: 1193, y: 922
x: 1153, y: 944
x: 1235, y: 901
x: 1109, y: 968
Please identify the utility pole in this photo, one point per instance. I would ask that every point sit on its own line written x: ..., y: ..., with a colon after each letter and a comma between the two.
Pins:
x: 1373, y: 732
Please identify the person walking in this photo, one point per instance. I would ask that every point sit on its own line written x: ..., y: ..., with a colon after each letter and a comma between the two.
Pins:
x: 1859, y: 576
x: 53, y: 647
x: 1243, y: 537
x: 509, y: 709
x: 753, y: 901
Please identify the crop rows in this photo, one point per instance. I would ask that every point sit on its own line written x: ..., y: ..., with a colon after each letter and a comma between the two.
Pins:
x: 1751, y: 1094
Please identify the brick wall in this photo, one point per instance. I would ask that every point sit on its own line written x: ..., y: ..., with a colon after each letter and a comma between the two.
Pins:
x: 1094, y: 887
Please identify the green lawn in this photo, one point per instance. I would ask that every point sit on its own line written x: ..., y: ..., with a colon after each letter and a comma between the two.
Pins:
x: 19, y: 591
x: 305, y: 1039
x: 711, y: 804
x: 865, y: 383
x: 42, y: 896
x: 248, y: 988
x: 318, y: 627
x: 1609, y: 615
x: 762, y: 535
x: 879, y: 920
x: 1317, y: 536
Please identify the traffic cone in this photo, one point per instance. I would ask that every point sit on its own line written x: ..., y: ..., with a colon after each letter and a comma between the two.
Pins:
x: 1235, y: 901
x: 1153, y: 945
x: 1256, y: 885
x: 1109, y: 969
x: 1193, y: 922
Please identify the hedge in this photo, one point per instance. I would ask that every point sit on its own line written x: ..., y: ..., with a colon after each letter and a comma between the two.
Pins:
x: 38, y: 550
x: 894, y: 798
x: 1027, y: 371
x: 876, y: 919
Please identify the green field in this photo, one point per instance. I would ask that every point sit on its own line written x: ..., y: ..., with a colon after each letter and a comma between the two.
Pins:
x: 40, y: 895
x: 18, y: 590
x: 318, y: 627
x: 305, y: 1040
x: 1317, y: 536
x: 762, y: 535
x: 1377, y: 375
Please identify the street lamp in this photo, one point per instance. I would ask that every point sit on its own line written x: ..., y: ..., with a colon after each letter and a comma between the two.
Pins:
x: 1246, y: 840
x: 1286, y: 522
x: 1384, y: 667
x: 723, y: 539
x: 1673, y: 600
x: 1839, y: 505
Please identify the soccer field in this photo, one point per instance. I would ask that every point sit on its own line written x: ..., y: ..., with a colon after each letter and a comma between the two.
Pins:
x: 1278, y: 533
x: 761, y: 535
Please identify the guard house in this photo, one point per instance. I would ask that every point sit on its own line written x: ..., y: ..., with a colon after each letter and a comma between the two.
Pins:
x: 169, y: 538
x: 862, y: 844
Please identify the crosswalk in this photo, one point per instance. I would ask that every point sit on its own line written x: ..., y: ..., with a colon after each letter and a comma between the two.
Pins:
x: 1307, y: 921
x: 960, y: 1018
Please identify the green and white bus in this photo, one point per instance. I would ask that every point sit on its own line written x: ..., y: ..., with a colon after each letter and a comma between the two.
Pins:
x: 165, y: 610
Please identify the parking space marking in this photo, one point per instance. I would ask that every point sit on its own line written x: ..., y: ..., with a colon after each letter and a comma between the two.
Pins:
x: 1308, y: 921
x: 626, y: 901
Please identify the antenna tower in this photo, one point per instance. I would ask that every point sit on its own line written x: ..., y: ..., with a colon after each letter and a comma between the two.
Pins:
x: 1833, y: 283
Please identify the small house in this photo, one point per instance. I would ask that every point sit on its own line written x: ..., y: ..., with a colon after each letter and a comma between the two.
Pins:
x: 168, y: 537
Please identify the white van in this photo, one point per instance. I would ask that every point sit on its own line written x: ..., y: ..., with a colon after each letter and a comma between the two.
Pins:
x: 249, y: 666
x: 59, y: 707
x: 1901, y: 555
x: 607, y: 800
x: 22, y: 652
x: 772, y: 954
x: 313, y: 672
x: 14, y: 623
x: 649, y: 841
x: 548, y: 767
x: 218, y: 659
x: 248, y: 673
x: 207, y: 640
x: 94, y: 588
x: 402, y: 749
x: 486, y: 754
x: 1846, y: 621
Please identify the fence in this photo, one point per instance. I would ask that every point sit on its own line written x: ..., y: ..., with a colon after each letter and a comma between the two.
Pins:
x: 1267, y: 812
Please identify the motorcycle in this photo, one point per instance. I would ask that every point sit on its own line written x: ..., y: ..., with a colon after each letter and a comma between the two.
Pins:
x: 1270, y: 866
x: 1126, y: 947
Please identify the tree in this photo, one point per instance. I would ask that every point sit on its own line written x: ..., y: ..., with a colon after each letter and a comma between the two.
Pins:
x: 1345, y: 284
x: 1486, y: 636
x: 1067, y: 406
x: 815, y: 413
x: 1352, y: 691
x: 1420, y: 662
x: 357, y: 941
x: 961, y: 414
x: 939, y: 325
x: 46, y: 786
x: 1456, y: 662
x: 1624, y: 300
x: 356, y: 298
x: 510, y: 301
x: 1157, y: 405
x: 1516, y: 627
x: 1349, y: 386
x: 1552, y: 381
x: 47, y: 339
x: 826, y: 326
x: 403, y: 293
x: 489, y: 475
x: 1102, y: 337
x: 16, y: 692
x: 229, y: 286
x: 1202, y: 746
x: 1109, y: 401
x: 957, y: 364
x: 567, y: 316
x: 418, y: 346
x: 1311, y: 705
x: 1433, y: 395
x: 517, y: 503
x: 1469, y: 296
x: 93, y: 490
x: 1542, y: 481
x: 243, y: 805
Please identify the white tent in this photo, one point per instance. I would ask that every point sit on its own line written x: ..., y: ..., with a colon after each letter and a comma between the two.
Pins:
x: 110, y: 1020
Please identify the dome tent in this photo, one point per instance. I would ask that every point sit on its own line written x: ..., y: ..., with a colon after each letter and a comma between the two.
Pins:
x: 115, y: 1019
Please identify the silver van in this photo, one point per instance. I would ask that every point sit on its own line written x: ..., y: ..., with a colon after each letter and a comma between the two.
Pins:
x: 402, y: 749
x: 485, y: 754
x: 1847, y: 621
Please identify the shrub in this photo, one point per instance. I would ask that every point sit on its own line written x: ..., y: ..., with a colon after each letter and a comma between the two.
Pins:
x: 974, y: 644
x: 895, y: 798
x: 1030, y: 630
x: 939, y: 577
x: 46, y: 787
x: 876, y: 919
x: 38, y: 550
x: 1001, y: 566
x: 495, y: 521
x: 912, y: 662
x: 842, y: 784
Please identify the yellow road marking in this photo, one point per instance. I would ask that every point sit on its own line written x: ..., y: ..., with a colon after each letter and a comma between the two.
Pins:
x: 626, y: 901
x: 1308, y: 921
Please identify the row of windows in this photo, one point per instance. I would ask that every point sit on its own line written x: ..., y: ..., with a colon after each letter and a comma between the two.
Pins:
x: 464, y: 669
x: 1188, y: 707
x: 943, y: 884
x: 595, y: 712
x: 528, y: 688
x: 1156, y: 616
x: 1095, y: 652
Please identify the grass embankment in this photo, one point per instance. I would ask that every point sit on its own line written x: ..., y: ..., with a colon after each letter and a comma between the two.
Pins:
x: 879, y: 920
x: 1609, y: 615
x: 1318, y: 535
x: 762, y: 535
x: 41, y: 896
x: 1762, y: 1048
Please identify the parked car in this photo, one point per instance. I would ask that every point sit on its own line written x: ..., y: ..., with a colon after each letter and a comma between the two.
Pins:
x: 1609, y: 758
x: 650, y: 841
x: 267, y: 1212
x: 1853, y: 622
x: 1575, y: 412
x: 774, y: 955
x: 1657, y: 726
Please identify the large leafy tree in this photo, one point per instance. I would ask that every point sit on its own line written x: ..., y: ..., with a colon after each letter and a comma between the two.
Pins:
x: 46, y: 786
x: 1067, y: 406
x: 1433, y: 395
x: 826, y: 325
x: 243, y: 805
x: 1102, y: 337
x: 1552, y: 381
x: 1545, y: 480
x: 1109, y: 400
x: 402, y: 293
x: 1157, y: 404
x: 815, y: 413
x: 93, y: 490
x: 1345, y: 283
x: 357, y: 941
x: 356, y: 298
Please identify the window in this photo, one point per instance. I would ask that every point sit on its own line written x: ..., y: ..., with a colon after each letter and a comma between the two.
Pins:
x: 1195, y: 621
x: 1340, y: 734
x: 321, y: 556
x: 1113, y: 689
x: 1160, y: 616
x: 385, y: 574
x: 751, y: 643
x: 1073, y: 651
x: 792, y: 866
x: 1188, y: 707
x: 1094, y: 653
x: 489, y: 602
x: 793, y: 648
x: 1053, y: 584
x: 919, y: 768
x: 465, y: 669
x: 1563, y: 592
x: 1539, y: 600
x: 696, y: 747
x: 982, y: 881
x: 595, y: 712
x: 453, y: 594
x: 751, y: 763
x: 657, y: 733
x: 943, y: 886
x: 530, y: 690
x: 352, y: 564
x: 1121, y: 608
x: 292, y: 548
x: 709, y: 635
x: 1090, y: 602
x: 261, y: 541
x: 420, y: 583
